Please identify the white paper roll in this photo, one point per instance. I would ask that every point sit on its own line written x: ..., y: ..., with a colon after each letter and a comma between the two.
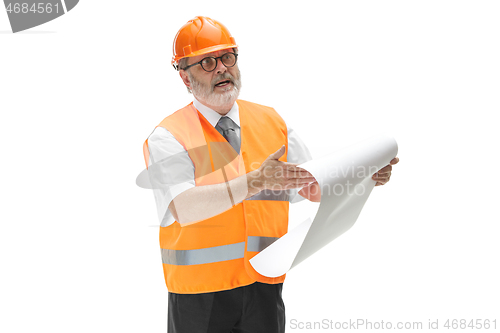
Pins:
x: 345, y: 180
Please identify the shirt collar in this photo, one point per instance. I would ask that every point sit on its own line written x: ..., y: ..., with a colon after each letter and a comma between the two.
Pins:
x: 213, y: 117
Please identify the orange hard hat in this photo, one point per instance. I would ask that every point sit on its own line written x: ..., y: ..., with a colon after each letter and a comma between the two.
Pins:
x: 201, y: 35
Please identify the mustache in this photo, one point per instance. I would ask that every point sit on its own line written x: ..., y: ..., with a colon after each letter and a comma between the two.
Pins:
x: 221, y: 77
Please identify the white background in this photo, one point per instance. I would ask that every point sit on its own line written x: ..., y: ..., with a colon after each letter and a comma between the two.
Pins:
x: 79, y: 95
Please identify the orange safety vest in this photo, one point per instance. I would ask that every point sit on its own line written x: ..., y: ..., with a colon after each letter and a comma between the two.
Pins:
x: 213, y: 254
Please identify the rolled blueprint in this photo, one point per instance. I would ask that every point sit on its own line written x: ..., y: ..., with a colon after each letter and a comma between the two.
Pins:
x: 345, y: 181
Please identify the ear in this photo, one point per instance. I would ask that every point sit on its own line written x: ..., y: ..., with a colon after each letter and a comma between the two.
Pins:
x: 185, y: 78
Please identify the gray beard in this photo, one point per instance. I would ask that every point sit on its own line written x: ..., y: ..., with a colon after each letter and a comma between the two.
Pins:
x: 206, y: 93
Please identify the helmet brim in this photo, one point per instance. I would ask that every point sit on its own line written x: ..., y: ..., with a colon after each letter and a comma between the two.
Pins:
x: 206, y: 50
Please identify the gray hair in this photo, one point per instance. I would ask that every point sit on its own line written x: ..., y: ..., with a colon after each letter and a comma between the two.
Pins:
x: 183, y: 63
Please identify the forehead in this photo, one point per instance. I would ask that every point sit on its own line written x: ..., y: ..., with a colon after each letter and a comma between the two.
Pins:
x: 192, y: 60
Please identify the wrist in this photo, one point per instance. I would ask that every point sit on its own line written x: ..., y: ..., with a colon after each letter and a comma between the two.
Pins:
x: 254, y: 182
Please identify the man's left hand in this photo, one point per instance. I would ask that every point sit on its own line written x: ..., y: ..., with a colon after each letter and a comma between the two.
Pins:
x: 384, y: 174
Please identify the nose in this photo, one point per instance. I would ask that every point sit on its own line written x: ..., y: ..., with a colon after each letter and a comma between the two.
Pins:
x: 221, y: 68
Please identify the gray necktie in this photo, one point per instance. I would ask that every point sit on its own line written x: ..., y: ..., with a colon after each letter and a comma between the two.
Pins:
x: 227, y: 128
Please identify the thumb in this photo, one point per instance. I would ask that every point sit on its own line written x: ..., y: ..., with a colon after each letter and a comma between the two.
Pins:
x: 278, y: 153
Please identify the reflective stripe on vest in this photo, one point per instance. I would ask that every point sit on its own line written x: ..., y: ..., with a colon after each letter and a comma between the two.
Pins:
x: 277, y: 195
x: 257, y: 244
x: 216, y: 253
x: 203, y: 256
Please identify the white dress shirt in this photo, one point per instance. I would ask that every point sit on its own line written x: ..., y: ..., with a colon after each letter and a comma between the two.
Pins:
x: 163, y: 145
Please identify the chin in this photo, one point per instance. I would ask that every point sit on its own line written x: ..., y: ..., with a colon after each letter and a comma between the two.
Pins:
x: 225, y: 98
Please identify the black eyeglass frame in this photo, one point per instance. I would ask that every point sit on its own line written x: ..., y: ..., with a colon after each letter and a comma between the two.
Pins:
x: 216, y: 62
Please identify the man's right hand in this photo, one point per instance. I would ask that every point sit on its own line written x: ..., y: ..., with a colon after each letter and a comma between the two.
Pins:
x: 277, y: 175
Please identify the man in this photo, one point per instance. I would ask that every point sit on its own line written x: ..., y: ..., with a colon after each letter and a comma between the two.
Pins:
x: 227, y: 170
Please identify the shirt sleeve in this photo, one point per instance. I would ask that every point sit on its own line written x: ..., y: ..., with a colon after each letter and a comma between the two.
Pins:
x: 297, y: 153
x: 171, y: 171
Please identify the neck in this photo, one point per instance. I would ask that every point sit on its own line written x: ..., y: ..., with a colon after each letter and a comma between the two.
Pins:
x: 220, y: 109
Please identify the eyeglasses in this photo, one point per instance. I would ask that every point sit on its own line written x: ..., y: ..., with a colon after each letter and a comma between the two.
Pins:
x: 209, y: 64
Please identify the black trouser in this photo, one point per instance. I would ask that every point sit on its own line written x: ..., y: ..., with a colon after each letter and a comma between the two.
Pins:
x: 256, y: 308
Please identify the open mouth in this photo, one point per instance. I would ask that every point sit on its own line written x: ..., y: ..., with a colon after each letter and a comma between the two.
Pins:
x: 223, y: 83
